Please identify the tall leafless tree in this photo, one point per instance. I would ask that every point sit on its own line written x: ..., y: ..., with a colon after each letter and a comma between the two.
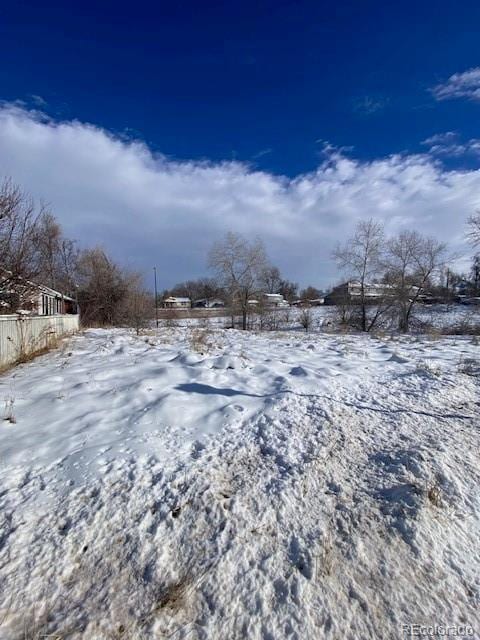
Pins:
x: 361, y: 259
x: 289, y: 290
x: 271, y: 280
x: 412, y: 262
x: 102, y: 288
x: 474, y: 229
x: 19, y: 254
x: 136, y: 309
x: 238, y: 265
x: 110, y: 295
x: 48, y: 240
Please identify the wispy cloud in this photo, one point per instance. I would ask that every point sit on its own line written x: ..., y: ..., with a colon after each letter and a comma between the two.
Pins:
x: 459, y: 85
x: 261, y: 153
x: 147, y: 209
x: 450, y: 144
x: 38, y: 101
x: 368, y: 105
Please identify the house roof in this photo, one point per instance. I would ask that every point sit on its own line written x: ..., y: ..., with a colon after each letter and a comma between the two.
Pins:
x: 40, y: 287
x: 51, y: 292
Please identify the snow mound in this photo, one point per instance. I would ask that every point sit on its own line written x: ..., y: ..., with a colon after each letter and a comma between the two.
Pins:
x: 227, y: 362
x: 395, y: 357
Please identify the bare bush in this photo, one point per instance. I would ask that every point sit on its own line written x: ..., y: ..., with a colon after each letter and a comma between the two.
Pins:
x: 9, y: 415
x: 171, y: 318
x: 200, y: 340
x: 306, y: 318
x: 138, y: 305
x: 109, y: 295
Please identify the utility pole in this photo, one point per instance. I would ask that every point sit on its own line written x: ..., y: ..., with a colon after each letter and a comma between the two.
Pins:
x: 156, y: 295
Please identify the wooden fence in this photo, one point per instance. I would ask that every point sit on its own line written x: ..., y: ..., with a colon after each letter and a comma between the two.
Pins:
x: 21, y: 336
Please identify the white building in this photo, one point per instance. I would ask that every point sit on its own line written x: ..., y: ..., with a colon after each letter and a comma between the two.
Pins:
x: 174, y: 302
x: 274, y: 300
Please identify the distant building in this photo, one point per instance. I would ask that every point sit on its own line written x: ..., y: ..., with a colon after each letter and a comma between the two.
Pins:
x: 174, y: 302
x: 308, y: 302
x: 351, y: 292
x: 274, y: 300
x: 209, y: 303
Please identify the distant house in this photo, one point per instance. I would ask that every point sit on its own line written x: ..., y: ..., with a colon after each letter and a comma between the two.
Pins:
x: 25, y: 297
x: 274, y: 300
x: 209, y: 303
x: 351, y: 292
x: 308, y: 302
x: 174, y: 302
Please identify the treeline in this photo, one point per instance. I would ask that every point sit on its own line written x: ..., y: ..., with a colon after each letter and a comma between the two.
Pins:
x: 268, y: 280
x: 34, y: 249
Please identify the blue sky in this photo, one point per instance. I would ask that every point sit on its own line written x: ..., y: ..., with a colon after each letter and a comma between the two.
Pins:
x: 268, y: 99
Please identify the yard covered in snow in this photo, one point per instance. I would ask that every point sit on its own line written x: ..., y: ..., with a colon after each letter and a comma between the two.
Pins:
x: 226, y: 485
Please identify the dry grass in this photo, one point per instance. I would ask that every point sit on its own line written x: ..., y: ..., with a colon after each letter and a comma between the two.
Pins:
x: 200, y: 340
x: 9, y: 415
x: 429, y: 368
x: 434, y: 495
x: 470, y: 367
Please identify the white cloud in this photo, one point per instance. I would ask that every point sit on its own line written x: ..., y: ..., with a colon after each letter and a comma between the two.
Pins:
x: 441, y: 138
x: 450, y: 145
x: 460, y: 85
x: 149, y: 210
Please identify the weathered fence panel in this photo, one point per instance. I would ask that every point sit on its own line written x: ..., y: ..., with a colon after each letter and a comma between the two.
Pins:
x: 20, y: 336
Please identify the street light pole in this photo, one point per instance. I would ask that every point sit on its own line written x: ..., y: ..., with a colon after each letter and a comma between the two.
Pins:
x: 156, y: 295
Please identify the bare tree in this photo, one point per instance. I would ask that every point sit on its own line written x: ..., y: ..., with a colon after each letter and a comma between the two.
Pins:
x: 48, y: 240
x: 475, y: 275
x: 271, y: 280
x: 137, y: 308
x: 69, y: 255
x: 239, y: 265
x: 32, y: 249
x: 102, y: 288
x: 361, y: 258
x: 412, y: 262
x: 19, y: 255
x: 203, y: 288
x: 474, y: 229
x: 18, y: 225
x: 310, y: 293
x: 289, y: 290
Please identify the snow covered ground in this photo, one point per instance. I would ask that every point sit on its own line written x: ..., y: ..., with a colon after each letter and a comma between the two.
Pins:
x: 426, y: 318
x: 224, y: 485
